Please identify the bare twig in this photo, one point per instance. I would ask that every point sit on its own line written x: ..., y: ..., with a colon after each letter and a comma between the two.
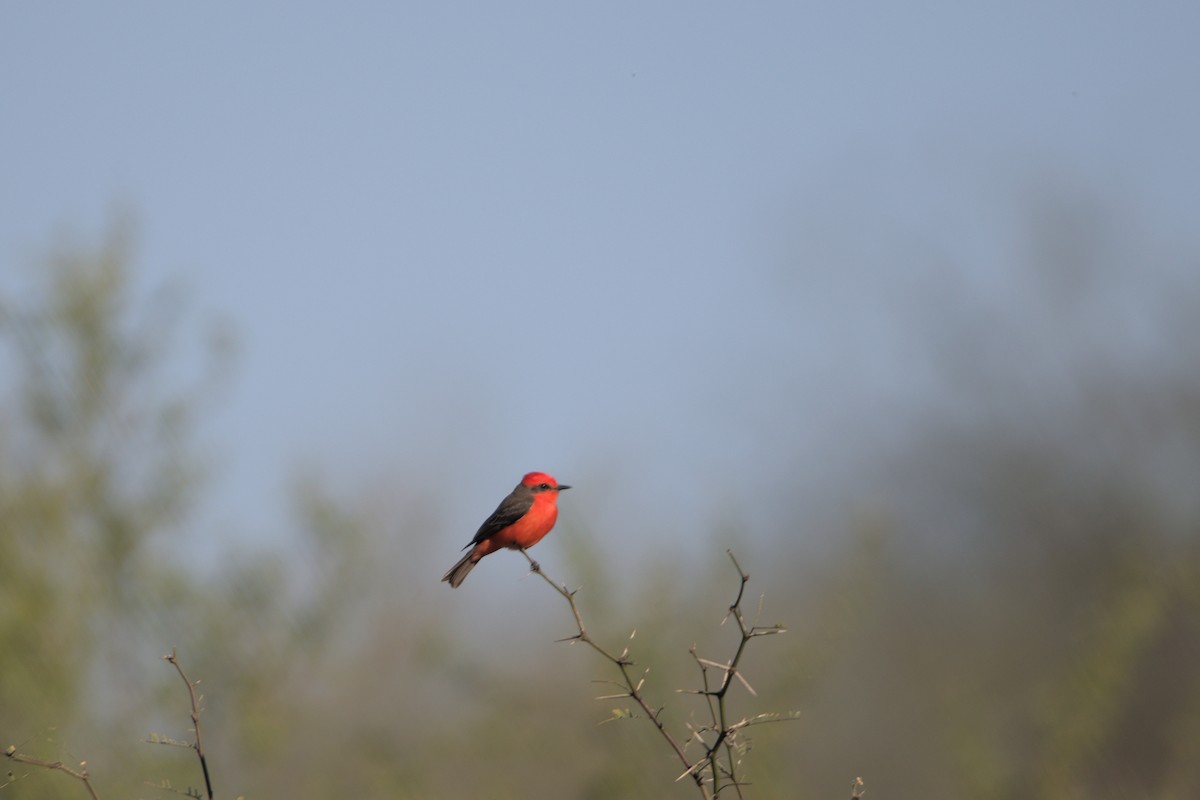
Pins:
x: 711, y: 773
x: 715, y: 692
x: 81, y: 774
x: 199, y: 745
x: 165, y: 786
x: 631, y: 685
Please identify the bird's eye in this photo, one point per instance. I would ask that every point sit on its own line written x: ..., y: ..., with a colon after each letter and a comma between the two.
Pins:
x: 544, y: 486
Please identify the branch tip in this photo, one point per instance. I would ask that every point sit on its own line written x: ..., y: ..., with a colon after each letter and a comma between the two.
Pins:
x: 715, y: 770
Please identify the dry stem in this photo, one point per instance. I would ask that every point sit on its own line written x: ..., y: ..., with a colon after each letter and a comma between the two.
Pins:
x: 708, y: 772
x: 199, y: 745
x: 81, y: 774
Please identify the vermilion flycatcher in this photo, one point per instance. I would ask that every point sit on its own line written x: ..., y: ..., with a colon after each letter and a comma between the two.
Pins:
x: 519, y: 522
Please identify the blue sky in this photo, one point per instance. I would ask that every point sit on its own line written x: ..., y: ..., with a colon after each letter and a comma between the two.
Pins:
x: 675, y: 249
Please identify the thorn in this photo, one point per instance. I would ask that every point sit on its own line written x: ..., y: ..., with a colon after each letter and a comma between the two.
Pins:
x: 714, y: 664
x: 689, y: 771
x: 745, y: 683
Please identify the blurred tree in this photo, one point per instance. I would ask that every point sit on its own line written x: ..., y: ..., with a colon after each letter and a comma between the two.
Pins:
x: 94, y: 464
x: 1012, y: 611
x: 1019, y: 616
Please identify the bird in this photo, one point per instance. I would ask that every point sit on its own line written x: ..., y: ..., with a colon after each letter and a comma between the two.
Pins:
x: 520, y: 521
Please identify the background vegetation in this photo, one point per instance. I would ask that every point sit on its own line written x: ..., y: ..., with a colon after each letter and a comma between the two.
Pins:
x: 1004, y: 601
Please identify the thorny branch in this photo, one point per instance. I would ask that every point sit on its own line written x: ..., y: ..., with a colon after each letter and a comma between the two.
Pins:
x: 85, y: 777
x: 199, y: 745
x: 80, y: 774
x: 723, y: 732
x: 708, y: 772
x: 622, y: 663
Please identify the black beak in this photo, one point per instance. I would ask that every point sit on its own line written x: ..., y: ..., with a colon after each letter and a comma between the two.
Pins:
x: 563, y: 488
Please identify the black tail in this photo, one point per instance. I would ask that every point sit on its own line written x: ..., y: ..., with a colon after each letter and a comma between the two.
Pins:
x: 458, y: 573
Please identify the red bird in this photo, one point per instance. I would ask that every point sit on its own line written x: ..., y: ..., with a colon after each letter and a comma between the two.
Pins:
x: 519, y: 522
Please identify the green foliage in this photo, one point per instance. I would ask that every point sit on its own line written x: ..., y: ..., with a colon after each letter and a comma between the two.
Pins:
x: 1015, y: 614
x: 94, y: 467
x: 89, y: 471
